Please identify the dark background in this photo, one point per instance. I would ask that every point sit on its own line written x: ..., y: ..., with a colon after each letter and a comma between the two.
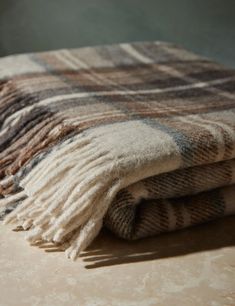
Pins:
x: 204, y: 26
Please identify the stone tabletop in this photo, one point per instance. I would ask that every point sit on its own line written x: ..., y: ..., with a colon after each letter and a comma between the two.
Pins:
x: 189, y: 267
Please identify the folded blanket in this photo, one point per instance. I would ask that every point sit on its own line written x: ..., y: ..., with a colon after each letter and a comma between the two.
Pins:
x: 139, y: 137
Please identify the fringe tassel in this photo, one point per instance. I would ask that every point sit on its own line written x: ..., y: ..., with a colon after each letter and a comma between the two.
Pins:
x: 68, y: 194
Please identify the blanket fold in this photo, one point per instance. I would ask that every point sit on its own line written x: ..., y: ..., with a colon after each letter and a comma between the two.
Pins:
x: 139, y: 137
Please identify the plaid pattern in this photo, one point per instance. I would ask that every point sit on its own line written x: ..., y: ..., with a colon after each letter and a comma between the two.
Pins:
x: 139, y: 135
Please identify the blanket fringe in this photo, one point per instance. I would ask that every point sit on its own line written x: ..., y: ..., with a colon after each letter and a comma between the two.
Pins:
x: 68, y: 194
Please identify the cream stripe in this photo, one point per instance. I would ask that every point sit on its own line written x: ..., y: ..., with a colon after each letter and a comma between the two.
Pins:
x: 74, y: 61
x: 62, y: 59
x: 82, y: 116
x: 77, y: 120
x: 140, y: 57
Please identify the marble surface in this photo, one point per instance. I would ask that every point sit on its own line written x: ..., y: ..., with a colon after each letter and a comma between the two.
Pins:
x: 190, y: 267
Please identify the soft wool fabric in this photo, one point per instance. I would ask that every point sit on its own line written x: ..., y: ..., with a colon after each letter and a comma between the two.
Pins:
x: 139, y: 137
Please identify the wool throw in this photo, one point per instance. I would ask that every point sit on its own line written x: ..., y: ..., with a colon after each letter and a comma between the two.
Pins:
x: 138, y: 137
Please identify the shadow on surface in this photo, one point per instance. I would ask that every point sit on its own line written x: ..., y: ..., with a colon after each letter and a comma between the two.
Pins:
x: 109, y: 250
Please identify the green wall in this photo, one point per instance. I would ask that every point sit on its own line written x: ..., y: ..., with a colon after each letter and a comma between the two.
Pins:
x: 204, y: 26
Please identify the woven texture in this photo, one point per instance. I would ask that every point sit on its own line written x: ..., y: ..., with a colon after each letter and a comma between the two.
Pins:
x: 139, y: 137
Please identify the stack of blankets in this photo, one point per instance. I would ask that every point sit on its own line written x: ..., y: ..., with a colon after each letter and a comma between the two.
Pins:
x: 137, y: 137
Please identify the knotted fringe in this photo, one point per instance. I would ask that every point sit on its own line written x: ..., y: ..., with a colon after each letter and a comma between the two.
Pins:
x: 68, y: 194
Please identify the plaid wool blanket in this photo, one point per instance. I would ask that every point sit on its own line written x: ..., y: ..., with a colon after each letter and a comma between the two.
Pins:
x: 139, y: 137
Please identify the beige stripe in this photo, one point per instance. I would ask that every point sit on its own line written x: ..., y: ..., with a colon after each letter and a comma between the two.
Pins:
x: 137, y: 55
x: 72, y: 61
